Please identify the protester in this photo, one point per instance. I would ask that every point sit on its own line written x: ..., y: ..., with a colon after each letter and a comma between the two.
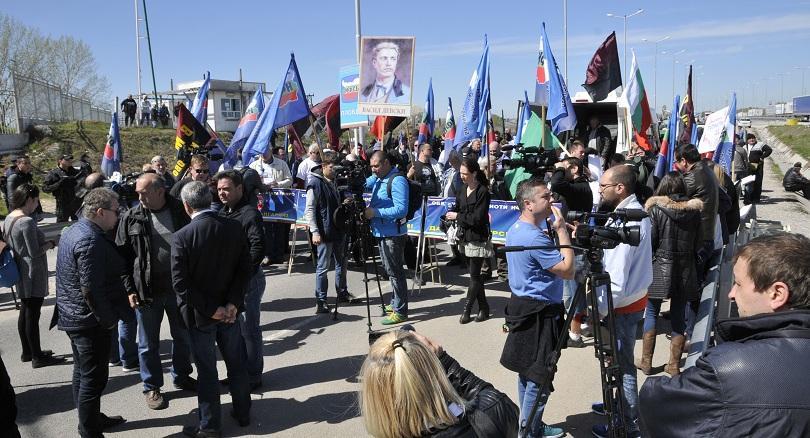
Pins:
x: 411, y: 387
x: 452, y: 184
x: 426, y: 169
x: 89, y: 297
x: 164, y: 116
x: 701, y: 184
x: 473, y: 149
x: 62, y: 182
x: 199, y: 169
x: 675, y: 237
x: 129, y: 107
x: 230, y: 189
x: 630, y: 269
x: 403, y: 157
x: 8, y: 171
x: 794, y: 181
x: 153, y: 116
x: 30, y: 248
x: 210, y: 269
x: 600, y: 139
x: 323, y: 200
x: 159, y: 166
x: 386, y: 213
x: 146, y: 111
x: 471, y: 213
x: 144, y: 237
x: 274, y: 174
x: 740, y: 163
x: 21, y: 175
x: 757, y: 152
x: 727, y: 393
x: 729, y: 203
x: 313, y: 159
x: 534, y: 313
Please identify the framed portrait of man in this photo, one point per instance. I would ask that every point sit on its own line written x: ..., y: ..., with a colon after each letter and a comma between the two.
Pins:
x: 386, y: 75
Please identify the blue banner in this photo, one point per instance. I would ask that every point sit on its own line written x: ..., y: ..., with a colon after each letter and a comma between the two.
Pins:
x: 349, y: 92
x: 288, y: 206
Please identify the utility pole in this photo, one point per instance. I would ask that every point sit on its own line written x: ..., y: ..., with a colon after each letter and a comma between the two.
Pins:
x: 137, y: 51
x: 565, y: 32
x: 357, y: 34
x: 149, y: 45
x: 655, y: 70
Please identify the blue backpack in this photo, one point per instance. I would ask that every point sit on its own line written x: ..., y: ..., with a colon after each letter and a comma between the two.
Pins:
x: 9, y: 273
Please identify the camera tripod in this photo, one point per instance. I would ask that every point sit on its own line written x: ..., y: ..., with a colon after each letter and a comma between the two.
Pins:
x: 605, y: 344
x: 420, y: 248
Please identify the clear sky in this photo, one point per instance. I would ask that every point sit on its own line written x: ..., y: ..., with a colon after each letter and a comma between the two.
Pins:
x: 747, y: 46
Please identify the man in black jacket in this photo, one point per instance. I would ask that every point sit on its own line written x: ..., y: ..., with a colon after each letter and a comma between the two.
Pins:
x: 701, y: 184
x: 795, y: 182
x: 210, y: 268
x: 600, y: 138
x: 753, y: 383
x: 130, y: 107
x: 89, y: 299
x: 144, y: 236
x: 62, y: 183
x: 230, y: 190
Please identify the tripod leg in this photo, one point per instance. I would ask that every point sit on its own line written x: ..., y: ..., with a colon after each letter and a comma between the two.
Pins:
x: 420, y: 243
x: 377, y: 277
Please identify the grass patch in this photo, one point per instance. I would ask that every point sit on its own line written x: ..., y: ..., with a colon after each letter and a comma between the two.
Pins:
x: 139, y: 145
x: 795, y: 137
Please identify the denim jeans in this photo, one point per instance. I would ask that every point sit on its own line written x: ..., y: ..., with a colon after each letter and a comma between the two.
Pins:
x: 250, y: 325
x: 570, y: 286
x: 327, y: 251
x: 150, y: 318
x: 527, y: 394
x: 677, y: 309
x: 91, y: 350
x: 124, y: 347
x: 392, y: 250
x: 231, y: 345
x: 626, y: 325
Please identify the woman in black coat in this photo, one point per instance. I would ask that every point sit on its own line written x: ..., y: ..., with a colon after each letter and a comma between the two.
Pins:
x: 471, y: 213
x: 676, y: 238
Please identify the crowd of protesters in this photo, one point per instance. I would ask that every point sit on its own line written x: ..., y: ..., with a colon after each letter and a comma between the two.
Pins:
x: 193, y: 250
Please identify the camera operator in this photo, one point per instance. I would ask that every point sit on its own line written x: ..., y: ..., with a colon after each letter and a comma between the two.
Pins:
x: 754, y: 381
x: 323, y: 199
x: 534, y: 313
x: 630, y: 269
x: 439, y: 397
x: 144, y: 238
x: 386, y: 215
x: 471, y: 212
x: 574, y: 188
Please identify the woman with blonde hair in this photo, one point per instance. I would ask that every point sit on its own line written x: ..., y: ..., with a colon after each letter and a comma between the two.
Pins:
x: 410, y: 387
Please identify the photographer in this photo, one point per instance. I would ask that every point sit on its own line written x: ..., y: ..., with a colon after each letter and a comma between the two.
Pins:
x: 62, y: 183
x: 323, y: 199
x: 575, y: 190
x: 754, y: 381
x: 471, y: 212
x: 440, y: 398
x: 144, y: 238
x: 630, y: 269
x: 534, y: 313
x: 386, y: 215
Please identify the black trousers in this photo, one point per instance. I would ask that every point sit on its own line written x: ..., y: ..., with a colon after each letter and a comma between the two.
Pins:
x: 8, y: 414
x: 28, y: 326
x: 129, y: 119
x: 475, y: 291
x: 277, y: 238
x: 91, y: 351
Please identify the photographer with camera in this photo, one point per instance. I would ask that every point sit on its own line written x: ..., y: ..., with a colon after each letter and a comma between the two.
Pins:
x: 630, y: 269
x: 323, y: 199
x: 535, y: 313
x: 404, y: 369
x: 144, y: 238
x: 753, y: 382
x: 386, y: 214
x: 471, y: 212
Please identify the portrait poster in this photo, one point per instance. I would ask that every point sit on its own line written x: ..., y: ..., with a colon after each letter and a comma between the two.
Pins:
x: 386, y: 76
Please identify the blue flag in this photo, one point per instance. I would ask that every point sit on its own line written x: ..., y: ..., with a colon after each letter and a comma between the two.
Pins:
x: 428, y: 123
x: 288, y: 105
x: 694, y: 137
x: 246, y: 125
x: 199, y: 108
x: 666, y: 154
x: 111, y: 160
x: 523, y: 117
x: 560, y: 109
x: 725, y: 150
x: 476, y: 103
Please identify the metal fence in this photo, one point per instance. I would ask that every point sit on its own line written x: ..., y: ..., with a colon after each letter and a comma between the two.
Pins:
x: 39, y: 102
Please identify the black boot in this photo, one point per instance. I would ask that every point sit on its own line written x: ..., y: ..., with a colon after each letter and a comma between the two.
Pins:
x: 483, y: 307
x: 465, y: 315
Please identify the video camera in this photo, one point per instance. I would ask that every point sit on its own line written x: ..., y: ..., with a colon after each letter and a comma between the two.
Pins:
x: 606, y: 237
x: 126, y: 189
x: 534, y: 160
x: 350, y: 176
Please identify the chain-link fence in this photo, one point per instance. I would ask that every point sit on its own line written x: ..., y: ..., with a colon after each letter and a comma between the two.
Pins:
x: 39, y: 102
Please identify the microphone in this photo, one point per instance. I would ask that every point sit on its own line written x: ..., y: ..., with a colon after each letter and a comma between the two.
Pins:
x: 632, y: 214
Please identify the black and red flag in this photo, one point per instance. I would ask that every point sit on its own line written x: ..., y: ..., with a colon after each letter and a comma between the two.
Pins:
x: 604, y: 73
x: 687, y: 114
x: 189, y: 136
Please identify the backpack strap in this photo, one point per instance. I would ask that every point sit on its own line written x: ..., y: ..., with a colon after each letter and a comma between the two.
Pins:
x: 7, y: 235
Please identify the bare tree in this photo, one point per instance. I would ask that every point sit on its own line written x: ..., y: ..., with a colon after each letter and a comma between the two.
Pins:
x: 73, y: 66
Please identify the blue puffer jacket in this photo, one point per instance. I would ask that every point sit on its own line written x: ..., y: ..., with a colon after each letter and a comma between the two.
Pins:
x: 89, y: 289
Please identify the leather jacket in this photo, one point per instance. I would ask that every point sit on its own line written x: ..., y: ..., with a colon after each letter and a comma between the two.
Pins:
x: 702, y: 184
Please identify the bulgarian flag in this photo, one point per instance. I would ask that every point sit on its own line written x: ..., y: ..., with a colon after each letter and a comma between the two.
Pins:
x: 449, y: 133
x: 636, y: 99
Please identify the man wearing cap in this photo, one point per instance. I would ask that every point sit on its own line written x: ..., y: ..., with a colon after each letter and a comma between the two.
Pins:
x: 61, y: 182
x: 795, y: 182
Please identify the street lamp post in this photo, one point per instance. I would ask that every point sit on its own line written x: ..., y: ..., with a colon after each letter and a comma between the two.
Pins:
x: 674, y: 61
x: 655, y: 70
x: 625, y: 17
x: 802, y: 69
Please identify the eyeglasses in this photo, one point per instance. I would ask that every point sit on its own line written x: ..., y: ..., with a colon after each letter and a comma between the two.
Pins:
x: 604, y: 186
x: 198, y: 171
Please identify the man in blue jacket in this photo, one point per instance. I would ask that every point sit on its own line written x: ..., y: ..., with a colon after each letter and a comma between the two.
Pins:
x: 386, y: 213
x: 90, y: 296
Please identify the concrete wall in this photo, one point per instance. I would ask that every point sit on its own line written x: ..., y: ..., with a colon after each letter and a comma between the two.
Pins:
x: 12, y: 142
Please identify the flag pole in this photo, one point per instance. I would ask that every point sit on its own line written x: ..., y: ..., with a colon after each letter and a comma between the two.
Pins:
x: 543, y: 137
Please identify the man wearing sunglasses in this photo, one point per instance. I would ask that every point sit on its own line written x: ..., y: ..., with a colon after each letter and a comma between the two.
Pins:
x: 199, y: 170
